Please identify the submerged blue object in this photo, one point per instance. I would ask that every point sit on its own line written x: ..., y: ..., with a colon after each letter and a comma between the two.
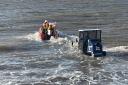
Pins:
x: 90, y: 42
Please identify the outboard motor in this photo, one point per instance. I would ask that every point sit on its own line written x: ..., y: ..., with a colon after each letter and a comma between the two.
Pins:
x: 90, y: 42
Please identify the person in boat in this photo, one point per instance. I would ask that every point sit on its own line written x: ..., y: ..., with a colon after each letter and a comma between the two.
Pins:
x: 43, y: 30
x: 46, y: 24
x: 47, y: 30
x: 52, y: 27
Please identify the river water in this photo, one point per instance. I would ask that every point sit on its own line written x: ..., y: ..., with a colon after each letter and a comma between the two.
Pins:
x: 25, y: 60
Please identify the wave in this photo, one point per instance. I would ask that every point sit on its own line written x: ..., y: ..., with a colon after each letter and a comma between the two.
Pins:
x: 62, y: 44
x: 14, y: 48
x: 63, y: 38
x: 4, y: 48
x: 69, y: 42
x: 118, y: 52
x: 117, y: 49
x: 33, y: 36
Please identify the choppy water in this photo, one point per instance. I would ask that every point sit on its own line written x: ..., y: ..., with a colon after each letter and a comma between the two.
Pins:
x: 25, y: 60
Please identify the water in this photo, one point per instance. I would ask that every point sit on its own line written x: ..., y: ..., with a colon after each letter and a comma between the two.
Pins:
x: 25, y: 60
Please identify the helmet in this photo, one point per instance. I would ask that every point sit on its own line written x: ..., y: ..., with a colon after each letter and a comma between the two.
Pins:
x: 46, y: 21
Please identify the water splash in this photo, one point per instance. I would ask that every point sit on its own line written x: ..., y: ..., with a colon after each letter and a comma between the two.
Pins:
x: 64, y: 41
x: 117, y: 49
x: 33, y: 36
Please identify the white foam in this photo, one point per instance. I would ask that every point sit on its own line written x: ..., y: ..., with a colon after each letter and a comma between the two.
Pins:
x: 117, y: 49
x: 58, y: 40
x: 33, y: 36
x: 64, y: 42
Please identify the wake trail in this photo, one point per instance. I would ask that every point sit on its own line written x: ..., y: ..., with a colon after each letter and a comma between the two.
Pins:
x: 66, y: 40
x: 117, y: 49
x: 62, y: 37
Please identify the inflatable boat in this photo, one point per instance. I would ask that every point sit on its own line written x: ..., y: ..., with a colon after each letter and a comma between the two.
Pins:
x: 47, y: 35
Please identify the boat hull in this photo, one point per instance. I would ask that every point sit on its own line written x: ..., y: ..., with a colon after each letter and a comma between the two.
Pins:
x: 44, y: 36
